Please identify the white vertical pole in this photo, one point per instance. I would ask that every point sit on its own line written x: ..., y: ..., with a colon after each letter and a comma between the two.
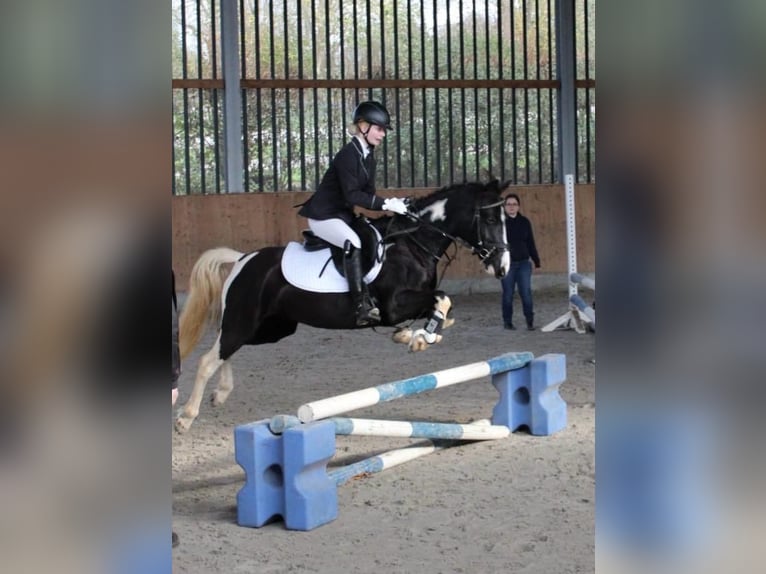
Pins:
x: 571, y: 231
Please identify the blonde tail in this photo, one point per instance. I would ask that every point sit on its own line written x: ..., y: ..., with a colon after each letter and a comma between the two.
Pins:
x: 203, y: 302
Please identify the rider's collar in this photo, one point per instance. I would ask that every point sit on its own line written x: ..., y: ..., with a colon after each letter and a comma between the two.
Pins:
x: 366, y: 149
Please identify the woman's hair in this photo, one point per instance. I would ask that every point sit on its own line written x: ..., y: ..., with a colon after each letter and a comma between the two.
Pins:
x: 514, y: 196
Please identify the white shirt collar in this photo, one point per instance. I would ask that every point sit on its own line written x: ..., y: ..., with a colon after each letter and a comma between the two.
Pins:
x: 365, y: 147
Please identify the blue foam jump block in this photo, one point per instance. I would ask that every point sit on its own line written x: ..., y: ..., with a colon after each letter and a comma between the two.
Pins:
x: 530, y: 396
x: 259, y: 453
x: 286, y: 475
x: 311, y: 496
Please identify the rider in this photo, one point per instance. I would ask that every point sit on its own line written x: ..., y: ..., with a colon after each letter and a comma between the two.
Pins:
x: 349, y: 182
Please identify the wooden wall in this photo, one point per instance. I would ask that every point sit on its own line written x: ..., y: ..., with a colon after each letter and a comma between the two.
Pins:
x: 247, y: 222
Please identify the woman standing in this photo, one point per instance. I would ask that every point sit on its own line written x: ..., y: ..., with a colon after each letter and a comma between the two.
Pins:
x: 521, y: 242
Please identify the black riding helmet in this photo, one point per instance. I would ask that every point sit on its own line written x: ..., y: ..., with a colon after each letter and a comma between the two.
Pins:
x: 374, y: 113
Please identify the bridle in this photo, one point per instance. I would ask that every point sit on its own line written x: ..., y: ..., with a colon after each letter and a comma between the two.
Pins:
x: 481, y: 248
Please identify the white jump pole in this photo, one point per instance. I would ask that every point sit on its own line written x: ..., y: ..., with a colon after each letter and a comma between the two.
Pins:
x: 479, y: 430
x: 583, y: 280
x: 340, y: 404
x: 394, y: 457
x: 407, y: 429
x: 440, y: 436
x: 383, y: 461
x: 588, y: 311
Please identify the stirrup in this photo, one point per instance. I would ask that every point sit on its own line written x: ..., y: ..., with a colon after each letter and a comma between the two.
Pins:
x: 367, y: 316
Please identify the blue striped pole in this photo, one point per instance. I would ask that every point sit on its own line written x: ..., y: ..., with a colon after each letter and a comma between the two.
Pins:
x: 384, y: 461
x: 480, y: 430
x: 395, y: 457
x: 382, y: 393
x: 443, y: 435
x: 583, y: 280
x: 589, y: 311
x: 404, y: 429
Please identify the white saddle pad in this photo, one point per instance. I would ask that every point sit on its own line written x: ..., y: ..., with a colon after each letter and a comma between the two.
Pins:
x: 303, y: 268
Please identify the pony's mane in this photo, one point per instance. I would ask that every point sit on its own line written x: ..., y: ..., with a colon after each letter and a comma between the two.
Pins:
x: 473, y: 187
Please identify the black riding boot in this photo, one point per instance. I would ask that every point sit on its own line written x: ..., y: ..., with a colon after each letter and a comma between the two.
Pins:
x: 366, y: 312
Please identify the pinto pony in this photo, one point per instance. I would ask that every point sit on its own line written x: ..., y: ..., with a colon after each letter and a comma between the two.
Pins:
x: 255, y: 304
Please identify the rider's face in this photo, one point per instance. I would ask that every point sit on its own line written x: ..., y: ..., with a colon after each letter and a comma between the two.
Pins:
x: 376, y: 134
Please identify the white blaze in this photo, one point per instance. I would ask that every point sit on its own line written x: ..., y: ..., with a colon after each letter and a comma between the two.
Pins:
x: 506, y: 260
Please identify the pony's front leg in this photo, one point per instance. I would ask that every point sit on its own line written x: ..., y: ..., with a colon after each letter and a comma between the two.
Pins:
x: 402, y: 335
x: 444, y: 305
x: 208, y: 365
x: 430, y: 334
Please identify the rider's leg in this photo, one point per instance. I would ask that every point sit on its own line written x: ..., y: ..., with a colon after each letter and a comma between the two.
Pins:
x: 366, y: 313
x: 337, y: 232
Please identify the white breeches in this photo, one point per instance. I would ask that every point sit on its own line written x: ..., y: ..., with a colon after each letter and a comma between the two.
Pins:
x: 335, y: 231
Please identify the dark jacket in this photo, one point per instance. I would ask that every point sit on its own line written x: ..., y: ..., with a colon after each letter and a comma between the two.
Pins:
x: 349, y: 181
x: 521, y: 240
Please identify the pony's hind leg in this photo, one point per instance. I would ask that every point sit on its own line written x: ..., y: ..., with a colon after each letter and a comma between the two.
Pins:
x: 208, y: 365
x: 225, y: 385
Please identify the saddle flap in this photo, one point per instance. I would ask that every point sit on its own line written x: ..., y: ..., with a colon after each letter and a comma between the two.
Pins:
x: 310, y: 269
x: 311, y: 242
x: 368, y: 235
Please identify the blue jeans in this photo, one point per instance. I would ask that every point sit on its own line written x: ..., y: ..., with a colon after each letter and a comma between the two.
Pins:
x: 520, y: 274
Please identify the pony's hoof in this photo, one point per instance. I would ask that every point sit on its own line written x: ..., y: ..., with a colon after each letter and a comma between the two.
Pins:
x: 217, y: 398
x: 182, y: 425
x: 418, y: 344
x: 421, y: 340
x: 403, y: 336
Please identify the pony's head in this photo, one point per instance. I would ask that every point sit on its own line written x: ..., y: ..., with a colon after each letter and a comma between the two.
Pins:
x: 489, y: 217
x: 472, y: 212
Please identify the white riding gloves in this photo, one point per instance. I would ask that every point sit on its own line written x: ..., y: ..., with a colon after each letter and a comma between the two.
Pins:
x: 395, y: 204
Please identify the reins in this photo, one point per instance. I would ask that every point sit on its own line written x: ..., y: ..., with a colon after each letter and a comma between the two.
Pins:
x: 478, y: 249
x: 409, y: 232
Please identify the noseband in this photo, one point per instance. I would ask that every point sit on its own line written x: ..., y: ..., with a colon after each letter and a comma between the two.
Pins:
x: 479, y: 249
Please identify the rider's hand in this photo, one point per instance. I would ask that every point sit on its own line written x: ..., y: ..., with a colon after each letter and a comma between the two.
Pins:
x: 395, y: 204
